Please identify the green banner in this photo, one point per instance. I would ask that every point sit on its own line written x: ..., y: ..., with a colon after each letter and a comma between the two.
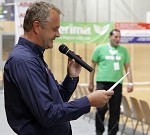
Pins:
x: 85, y: 32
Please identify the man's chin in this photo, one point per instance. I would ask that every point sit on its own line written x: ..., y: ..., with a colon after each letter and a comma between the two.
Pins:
x: 51, y: 46
x: 116, y: 45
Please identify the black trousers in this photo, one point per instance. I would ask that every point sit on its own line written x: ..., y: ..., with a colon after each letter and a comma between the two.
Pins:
x: 114, y: 109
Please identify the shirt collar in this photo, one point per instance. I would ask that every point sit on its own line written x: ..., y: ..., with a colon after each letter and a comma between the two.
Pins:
x: 38, y: 50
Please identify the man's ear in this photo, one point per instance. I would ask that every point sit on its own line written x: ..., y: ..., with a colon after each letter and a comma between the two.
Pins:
x: 36, y: 26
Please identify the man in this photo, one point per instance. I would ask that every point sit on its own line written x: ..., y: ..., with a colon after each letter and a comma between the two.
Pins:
x: 35, y: 103
x: 111, y: 59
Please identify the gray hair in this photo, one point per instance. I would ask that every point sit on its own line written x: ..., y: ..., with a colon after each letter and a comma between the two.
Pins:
x: 38, y: 11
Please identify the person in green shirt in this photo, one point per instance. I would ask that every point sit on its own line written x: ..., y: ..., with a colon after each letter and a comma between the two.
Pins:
x: 111, y: 59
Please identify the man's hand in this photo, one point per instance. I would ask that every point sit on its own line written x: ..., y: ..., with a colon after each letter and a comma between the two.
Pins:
x: 99, y: 98
x: 91, y: 87
x: 73, y: 68
x: 129, y: 88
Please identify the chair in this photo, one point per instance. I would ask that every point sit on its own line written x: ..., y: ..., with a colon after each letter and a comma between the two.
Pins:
x: 137, y: 113
x: 74, y: 95
x: 77, y: 93
x: 146, y: 113
x: 127, y: 113
x: 85, y: 90
x: 80, y: 91
x: 92, y: 112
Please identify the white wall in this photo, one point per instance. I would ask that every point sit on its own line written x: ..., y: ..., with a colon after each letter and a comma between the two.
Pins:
x: 103, y: 10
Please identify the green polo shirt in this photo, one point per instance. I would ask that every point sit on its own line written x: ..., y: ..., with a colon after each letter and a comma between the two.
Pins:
x: 110, y: 62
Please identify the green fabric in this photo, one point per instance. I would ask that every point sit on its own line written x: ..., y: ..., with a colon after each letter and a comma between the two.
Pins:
x: 105, y: 56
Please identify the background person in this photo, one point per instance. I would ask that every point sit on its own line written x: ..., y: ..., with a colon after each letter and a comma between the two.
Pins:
x: 110, y: 60
x: 35, y: 103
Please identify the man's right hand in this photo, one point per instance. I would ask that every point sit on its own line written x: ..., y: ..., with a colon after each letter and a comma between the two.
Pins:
x: 91, y: 87
x: 99, y: 98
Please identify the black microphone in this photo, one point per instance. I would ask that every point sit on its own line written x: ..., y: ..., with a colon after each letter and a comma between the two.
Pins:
x: 65, y: 50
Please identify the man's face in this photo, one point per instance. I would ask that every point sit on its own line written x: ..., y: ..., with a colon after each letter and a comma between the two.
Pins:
x: 115, y: 38
x: 50, y: 31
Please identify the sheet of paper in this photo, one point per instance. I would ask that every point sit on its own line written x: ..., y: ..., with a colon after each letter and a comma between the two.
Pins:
x: 112, y: 87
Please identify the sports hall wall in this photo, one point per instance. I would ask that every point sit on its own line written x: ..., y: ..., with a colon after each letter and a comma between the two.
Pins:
x: 102, y: 11
x: 140, y: 58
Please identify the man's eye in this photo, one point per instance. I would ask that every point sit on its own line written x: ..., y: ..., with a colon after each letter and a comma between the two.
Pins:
x: 54, y: 29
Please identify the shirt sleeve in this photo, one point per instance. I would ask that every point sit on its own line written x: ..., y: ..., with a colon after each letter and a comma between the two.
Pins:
x: 95, y: 55
x: 127, y: 57
x: 46, y: 106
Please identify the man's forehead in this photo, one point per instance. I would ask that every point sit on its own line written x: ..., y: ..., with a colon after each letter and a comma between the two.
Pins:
x: 53, y: 15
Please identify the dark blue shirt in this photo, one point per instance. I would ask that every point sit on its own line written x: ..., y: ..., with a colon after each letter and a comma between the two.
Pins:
x: 35, y: 103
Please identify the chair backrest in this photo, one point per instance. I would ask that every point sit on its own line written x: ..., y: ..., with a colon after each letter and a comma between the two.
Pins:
x: 80, y: 91
x: 136, y: 110
x: 85, y: 90
x: 76, y: 93
x: 146, y: 111
x: 126, y: 106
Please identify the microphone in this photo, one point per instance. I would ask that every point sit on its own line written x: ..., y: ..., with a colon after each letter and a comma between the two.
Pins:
x: 65, y: 50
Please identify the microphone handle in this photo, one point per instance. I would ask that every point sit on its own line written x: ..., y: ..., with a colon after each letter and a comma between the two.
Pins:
x: 71, y: 55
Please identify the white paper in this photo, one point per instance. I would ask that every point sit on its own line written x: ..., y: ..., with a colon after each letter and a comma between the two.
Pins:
x: 112, y: 87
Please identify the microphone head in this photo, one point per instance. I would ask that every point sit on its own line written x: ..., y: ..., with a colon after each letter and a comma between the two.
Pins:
x: 63, y: 48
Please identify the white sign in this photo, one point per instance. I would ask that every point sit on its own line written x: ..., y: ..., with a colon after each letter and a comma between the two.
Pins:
x: 20, y: 10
